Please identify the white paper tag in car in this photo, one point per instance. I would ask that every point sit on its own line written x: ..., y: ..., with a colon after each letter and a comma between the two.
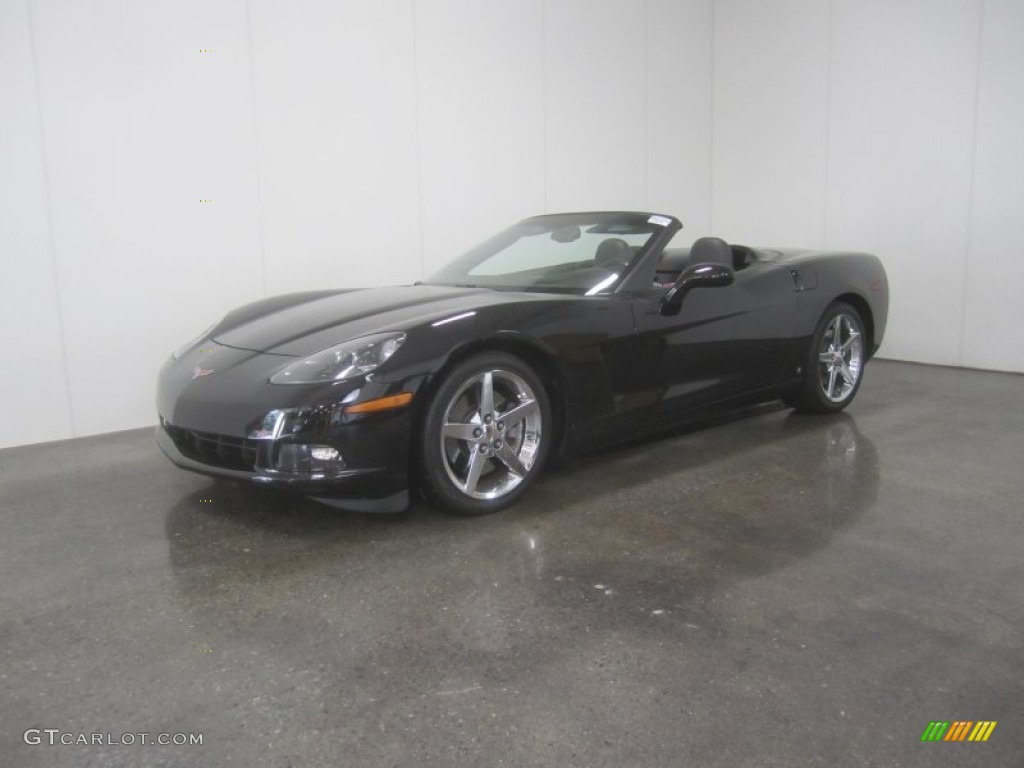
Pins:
x: 661, y: 221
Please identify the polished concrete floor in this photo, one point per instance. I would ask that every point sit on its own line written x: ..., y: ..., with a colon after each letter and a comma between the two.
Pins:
x: 772, y: 590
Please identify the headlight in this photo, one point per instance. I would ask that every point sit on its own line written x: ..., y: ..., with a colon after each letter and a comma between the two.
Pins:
x: 189, y: 344
x: 342, y: 361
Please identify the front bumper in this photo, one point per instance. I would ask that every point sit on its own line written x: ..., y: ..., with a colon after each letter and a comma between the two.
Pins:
x: 231, y: 423
x: 361, y: 489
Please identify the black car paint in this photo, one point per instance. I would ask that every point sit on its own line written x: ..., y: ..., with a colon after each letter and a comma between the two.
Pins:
x: 616, y: 365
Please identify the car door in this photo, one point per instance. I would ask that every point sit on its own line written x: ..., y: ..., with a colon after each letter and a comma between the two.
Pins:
x: 725, y: 342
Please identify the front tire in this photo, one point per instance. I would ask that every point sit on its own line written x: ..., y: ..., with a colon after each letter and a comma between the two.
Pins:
x: 485, y: 435
x: 835, y: 363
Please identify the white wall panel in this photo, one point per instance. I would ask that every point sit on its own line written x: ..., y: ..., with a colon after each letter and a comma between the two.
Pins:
x: 336, y: 119
x: 900, y: 151
x: 770, y: 121
x: 32, y: 379
x: 480, y: 87
x: 594, y: 105
x: 994, y: 297
x: 139, y: 126
x: 678, y: 120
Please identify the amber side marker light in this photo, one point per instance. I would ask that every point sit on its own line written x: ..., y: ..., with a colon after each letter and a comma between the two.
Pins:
x: 381, y: 403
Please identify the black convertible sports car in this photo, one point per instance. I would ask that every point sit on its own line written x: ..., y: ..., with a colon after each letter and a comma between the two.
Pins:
x: 564, y: 333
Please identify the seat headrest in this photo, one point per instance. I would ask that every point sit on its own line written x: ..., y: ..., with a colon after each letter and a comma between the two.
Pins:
x: 613, y: 250
x: 711, y: 250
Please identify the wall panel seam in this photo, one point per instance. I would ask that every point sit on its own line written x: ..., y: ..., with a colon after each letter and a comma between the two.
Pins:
x: 49, y: 223
x: 828, y: 124
x: 544, y: 100
x: 261, y: 222
x: 416, y: 133
x: 647, y: 106
x: 971, y: 186
x: 711, y: 119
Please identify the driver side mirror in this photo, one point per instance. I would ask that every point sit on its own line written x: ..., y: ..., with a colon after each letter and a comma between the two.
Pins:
x: 696, y: 276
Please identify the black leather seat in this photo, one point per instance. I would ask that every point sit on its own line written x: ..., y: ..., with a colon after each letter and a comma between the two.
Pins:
x: 711, y: 250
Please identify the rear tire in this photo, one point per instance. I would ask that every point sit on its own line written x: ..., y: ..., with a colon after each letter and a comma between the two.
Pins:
x: 485, y: 435
x: 835, y: 362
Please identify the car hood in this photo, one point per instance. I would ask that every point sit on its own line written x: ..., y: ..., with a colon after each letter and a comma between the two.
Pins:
x: 308, y: 327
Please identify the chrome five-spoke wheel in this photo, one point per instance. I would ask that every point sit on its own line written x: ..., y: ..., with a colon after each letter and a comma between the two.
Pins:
x: 840, y: 357
x: 835, y: 364
x: 485, y: 434
x: 491, y: 434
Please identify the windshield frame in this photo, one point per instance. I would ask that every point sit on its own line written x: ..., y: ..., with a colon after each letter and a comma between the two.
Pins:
x: 659, y: 228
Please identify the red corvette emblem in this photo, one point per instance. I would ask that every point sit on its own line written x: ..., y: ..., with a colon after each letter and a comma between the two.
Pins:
x: 197, y: 372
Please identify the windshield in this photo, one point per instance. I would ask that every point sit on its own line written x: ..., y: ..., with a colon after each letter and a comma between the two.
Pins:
x: 575, y: 253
